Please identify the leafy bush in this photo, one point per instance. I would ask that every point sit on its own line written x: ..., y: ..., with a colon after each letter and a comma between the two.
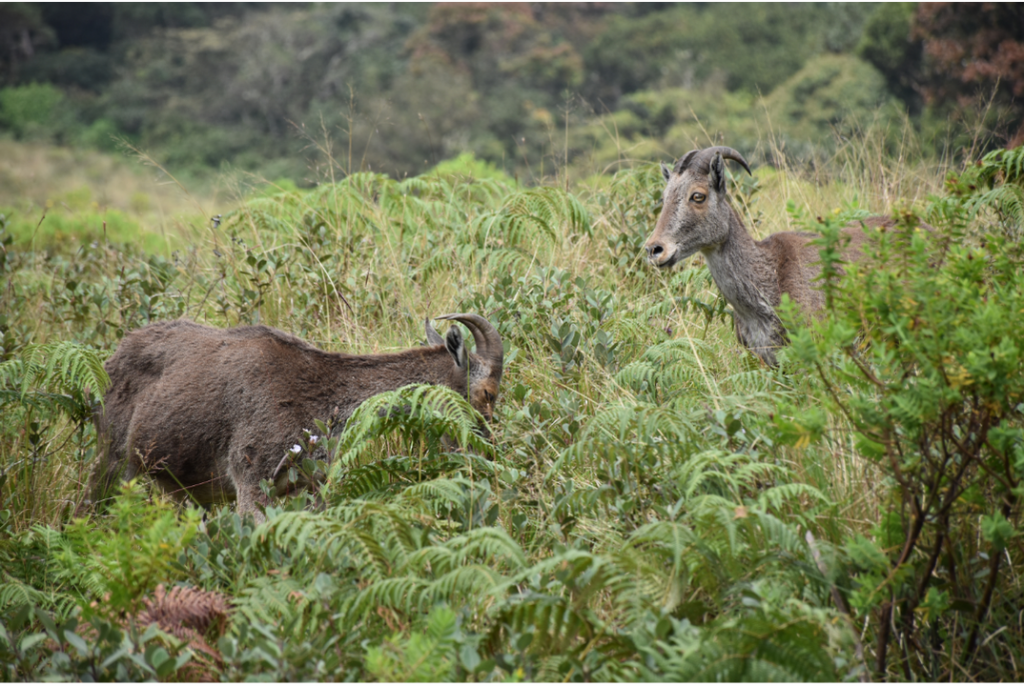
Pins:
x: 468, y: 166
x: 924, y: 359
x: 830, y: 92
x: 30, y: 111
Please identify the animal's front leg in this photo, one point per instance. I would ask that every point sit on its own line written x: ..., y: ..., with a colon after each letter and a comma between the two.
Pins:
x: 761, y: 337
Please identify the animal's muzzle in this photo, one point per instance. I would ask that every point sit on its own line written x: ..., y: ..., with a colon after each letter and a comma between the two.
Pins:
x: 659, y: 255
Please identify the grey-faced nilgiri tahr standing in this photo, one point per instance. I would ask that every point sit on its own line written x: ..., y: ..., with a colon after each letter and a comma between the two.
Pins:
x: 209, y: 412
x: 696, y: 216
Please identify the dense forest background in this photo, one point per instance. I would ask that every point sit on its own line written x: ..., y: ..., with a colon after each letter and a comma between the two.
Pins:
x: 530, y: 88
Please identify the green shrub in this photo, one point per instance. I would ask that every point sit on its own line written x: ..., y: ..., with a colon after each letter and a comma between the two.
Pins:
x: 654, y: 504
x: 102, y: 134
x: 922, y: 352
x: 468, y: 166
x: 30, y: 111
x: 828, y: 96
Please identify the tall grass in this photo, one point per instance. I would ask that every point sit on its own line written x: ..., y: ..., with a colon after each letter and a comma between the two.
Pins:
x: 645, y: 515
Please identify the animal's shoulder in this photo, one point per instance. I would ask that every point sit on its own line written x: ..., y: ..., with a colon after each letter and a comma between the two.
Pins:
x: 786, y: 247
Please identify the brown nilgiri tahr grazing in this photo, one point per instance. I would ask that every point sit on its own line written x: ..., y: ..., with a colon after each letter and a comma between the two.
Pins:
x: 752, y: 275
x: 209, y: 412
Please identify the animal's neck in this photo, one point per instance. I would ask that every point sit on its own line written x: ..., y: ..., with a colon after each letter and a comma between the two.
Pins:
x: 429, y: 365
x: 744, y: 273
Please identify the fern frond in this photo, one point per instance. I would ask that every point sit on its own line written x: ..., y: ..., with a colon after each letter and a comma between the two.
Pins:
x: 670, y: 369
x: 419, y: 412
x: 629, y: 430
x: 271, y: 599
x: 779, y: 496
x: 61, y: 376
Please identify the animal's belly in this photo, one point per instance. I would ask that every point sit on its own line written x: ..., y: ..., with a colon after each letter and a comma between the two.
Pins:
x: 199, y: 475
x: 186, y: 459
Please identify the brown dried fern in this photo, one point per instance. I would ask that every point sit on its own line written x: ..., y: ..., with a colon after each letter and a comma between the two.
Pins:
x: 187, y: 608
x: 190, y: 615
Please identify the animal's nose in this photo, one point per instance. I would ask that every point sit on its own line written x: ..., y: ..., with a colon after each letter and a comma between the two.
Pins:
x: 654, y: 251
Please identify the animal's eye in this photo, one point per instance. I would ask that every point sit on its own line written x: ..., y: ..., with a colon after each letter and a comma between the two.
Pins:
x: 488, y: 396
x: 698, y: 197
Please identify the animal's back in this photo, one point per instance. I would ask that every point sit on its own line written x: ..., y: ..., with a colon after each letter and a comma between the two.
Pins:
x: 798, y: 261
x: 145, y: 356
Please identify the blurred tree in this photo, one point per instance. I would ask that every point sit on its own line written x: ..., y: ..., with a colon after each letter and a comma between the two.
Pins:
x: 406, y: 85
x: 830, y: 96
x: 79, y: 67
x: 519, y: 68
x: 22, y: 32
x: 29, y: 111
x: 887, y: 45
x: 418, y: 126
x: 753, y: 47
x: 81, y: 24
x: 498, y: 42
x: 136, y: 19
x: 971, y: 49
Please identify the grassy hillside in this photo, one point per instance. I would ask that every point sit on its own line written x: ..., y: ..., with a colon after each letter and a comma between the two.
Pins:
x: 656, y: 505
x: 59, y: 197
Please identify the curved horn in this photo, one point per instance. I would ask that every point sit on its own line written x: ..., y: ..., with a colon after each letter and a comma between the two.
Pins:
x: 488, y: 342
x: 433, y: 337
x: 727, y: 153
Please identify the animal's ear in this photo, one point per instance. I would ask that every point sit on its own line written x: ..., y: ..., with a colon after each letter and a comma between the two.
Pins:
x: 717, y: 174
x: 433, y: 337
x: 666, y: 171
x: 684, y: 161
x: 455, y: 345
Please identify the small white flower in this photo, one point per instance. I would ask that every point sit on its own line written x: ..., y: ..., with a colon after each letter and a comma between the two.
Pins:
x: 313, y: 439
x: 296, y: 448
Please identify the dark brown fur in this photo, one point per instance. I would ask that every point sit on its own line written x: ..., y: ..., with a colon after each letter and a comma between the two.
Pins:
x: 211, y: 412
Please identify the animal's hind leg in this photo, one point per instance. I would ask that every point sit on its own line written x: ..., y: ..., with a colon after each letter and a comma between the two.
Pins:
x: 108, y: 471
x: 250, y: 498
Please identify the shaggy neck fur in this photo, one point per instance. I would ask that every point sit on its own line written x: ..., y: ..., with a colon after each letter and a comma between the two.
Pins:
x: 747, y: 277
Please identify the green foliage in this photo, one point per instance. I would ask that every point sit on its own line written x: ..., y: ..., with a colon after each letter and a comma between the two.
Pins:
x: 43, y: 389
x: 753, y: 50
x: 887, y: 45
x: 30, y: 111
x: 35, y: 647
x: 75, y: 222
x: 87, y: 584
x: 649, y: 503
x: 468, y: 166
x: 203, y: 86
x: 419, y: 413
x: 1001, y: 174
x: 423, y: 656
x: 924, y: 360
x: 139, y: 549
x: 829, y: 93
x: 63, y: 376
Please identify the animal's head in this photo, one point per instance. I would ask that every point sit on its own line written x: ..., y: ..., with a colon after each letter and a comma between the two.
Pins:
x: 483, y: 367
x: 695, y: 213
